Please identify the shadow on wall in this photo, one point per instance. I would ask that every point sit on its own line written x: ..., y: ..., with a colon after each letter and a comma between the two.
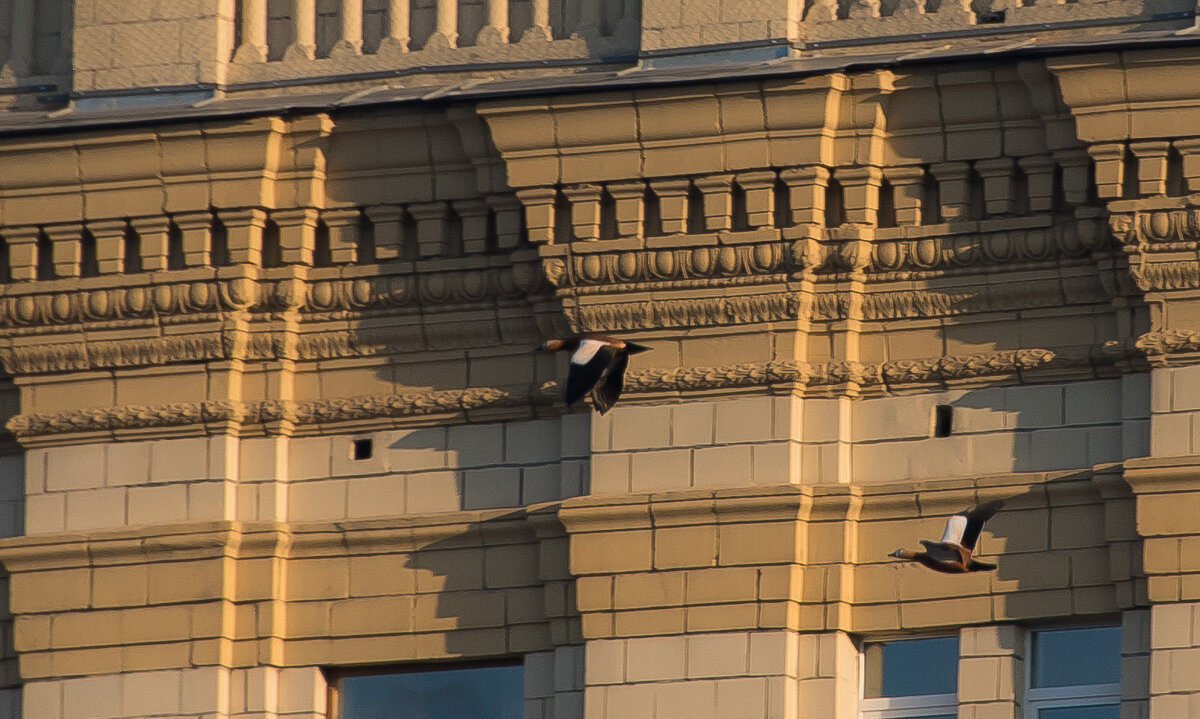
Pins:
x: 1041, y: 428
x: 492, y: 466
x: 12, y: 521
x: 497, y: 587
x: 1066, y: 546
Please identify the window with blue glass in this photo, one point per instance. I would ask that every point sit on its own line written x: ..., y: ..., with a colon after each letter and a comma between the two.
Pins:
x: 1074, y: 673
x: 910, y: 678
x: 483, y: 692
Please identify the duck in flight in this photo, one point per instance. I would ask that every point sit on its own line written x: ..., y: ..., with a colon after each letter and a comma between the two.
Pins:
x: 597, y: 366
x: 952, y: 554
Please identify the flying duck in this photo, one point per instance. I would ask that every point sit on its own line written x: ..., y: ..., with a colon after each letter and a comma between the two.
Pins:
x: 952, y: 554
x: 597, y: 366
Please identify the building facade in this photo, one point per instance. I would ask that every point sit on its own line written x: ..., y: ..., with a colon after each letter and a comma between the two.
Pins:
x: 274, y: 431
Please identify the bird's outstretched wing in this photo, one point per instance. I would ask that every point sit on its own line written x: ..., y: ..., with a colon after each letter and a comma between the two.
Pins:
x: 956, y: 525
x: 973, y: 520
x: 943, y: 551
x: 612, y: 380
x: 588, y: 365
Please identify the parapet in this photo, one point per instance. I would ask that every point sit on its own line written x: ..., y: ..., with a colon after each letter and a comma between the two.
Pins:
x: 102, y: 54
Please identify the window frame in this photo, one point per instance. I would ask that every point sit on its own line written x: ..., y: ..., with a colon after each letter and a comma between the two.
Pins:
x: 334, y: 675
x: 913, y: 705
x: 1068, y: 697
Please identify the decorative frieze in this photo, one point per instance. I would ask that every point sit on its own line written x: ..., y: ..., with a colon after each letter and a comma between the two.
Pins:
x: 416, y: 405
x: 471, y: 282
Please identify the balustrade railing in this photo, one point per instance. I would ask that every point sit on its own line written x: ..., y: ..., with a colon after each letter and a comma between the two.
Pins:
x: 271, y: 30
x: 34, y: 39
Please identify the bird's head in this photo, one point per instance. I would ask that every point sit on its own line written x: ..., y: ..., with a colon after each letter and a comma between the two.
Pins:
x: 549, y: 346
x: 900, y: 553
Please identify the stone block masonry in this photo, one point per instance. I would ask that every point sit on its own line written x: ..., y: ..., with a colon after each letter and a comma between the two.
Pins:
x: 273, y: 278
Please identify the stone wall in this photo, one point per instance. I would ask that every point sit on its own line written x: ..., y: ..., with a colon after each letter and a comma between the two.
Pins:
x: 277, y: 410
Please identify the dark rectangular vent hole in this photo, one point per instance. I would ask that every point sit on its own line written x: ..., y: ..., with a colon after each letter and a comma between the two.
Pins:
x: 990, y: 18
x: 363, y: 448
x: 943, y: 416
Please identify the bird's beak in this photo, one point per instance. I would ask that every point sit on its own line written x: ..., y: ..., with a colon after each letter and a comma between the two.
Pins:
x: 633, y: 348
x: 895, y: 554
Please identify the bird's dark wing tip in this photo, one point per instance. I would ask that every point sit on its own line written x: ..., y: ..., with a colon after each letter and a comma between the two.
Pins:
x: 983, y: 511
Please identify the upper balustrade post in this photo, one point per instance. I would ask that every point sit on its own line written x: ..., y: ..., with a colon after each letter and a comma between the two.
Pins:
x: 495, y: 32
x: 397, y: 27
x: 589, y: 19
x: 21, y: 36
x: 539, y: 29
x: 304, y: 31
x: 253, y: 47
x: 446, y: 33
x: 350, y: 42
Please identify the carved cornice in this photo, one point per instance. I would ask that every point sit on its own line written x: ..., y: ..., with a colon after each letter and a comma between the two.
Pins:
x: 1069, y: 239
x: 315, y: 297
x: 1160, y: 276
x: 884, y: 259
x: 417, y: 405
x: 1158, y: 344
x: 727, y: 285
x: 938, y: 369
x: 689, y: 263
x: 827, y: 304
x: 349, y: 409
x: 70, y: 356
x: 1161, y: 245
x: 1165, y: 230
x: 699, y: 311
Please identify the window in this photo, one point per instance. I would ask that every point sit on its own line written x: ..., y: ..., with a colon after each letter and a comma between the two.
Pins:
x: 1074, y: 674
x: 910, y: 678
x: 481, y: 692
